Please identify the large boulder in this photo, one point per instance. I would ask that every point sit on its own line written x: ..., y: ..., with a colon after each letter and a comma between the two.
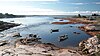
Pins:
x: 91, y: 45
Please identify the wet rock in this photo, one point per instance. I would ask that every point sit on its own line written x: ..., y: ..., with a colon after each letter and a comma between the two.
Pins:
x: 33, y: 35
x: 17, y: 35
x: 28, y: 41
x: 2, y: 43
x: 6, y: 25
x: 1, y: 35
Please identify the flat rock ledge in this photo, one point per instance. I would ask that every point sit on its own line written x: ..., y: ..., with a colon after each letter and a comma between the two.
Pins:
x: 37, y: 49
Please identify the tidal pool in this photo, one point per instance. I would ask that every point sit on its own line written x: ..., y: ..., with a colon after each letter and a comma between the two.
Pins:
x: 42, y: 27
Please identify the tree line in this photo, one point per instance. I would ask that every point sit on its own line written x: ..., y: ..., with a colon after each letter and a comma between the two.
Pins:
x: 6, y: 15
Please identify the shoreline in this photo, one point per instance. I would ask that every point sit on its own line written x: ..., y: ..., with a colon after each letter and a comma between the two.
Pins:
x: 80, y: 21
x: 36, y: 48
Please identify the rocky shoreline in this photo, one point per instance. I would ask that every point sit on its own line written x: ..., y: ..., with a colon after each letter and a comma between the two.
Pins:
x: 23, y: 47
x: 91, y: 46
x: 34, y: 47
x: 6, y: 25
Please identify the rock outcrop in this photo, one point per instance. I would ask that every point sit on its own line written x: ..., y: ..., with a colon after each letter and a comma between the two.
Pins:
x: 27, y: 41
x: 36, y: 50
x: 90, y: 46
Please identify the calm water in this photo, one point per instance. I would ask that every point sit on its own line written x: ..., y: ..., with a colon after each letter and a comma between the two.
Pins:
x: 42, y: 27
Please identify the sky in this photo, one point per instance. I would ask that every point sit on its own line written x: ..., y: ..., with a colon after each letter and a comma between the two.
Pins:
x: 50, y: 7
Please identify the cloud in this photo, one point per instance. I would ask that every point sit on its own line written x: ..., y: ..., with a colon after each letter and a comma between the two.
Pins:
x: 45, y: 3
x: 29, y: 11
x: 84, y: 12
x: 75, y: 3
x: 97, y: 2
x: 78, y: 3
x: 29, y: 0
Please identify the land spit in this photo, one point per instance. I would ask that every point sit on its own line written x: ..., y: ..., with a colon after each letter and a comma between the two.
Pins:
x: 6, y: 25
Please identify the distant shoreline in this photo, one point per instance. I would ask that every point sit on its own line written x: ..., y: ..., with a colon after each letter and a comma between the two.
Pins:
x: 6, y: 15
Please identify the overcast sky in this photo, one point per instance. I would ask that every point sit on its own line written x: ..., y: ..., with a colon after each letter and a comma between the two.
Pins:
x: 49, y: 7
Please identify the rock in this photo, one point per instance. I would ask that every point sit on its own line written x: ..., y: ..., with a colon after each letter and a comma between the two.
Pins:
x: 33, y: 35
x: 87, y: 46
x: 91, y: 51
x: 82, y: 45
x: 94, y: 40
x: 2, y: 43
x: 27, y: 41
x: 99, y: 45
x: 91, y: 45
x: 15, y: 34
x: 36, y: 50
x: 94, y: 50
x: 1, y: 35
